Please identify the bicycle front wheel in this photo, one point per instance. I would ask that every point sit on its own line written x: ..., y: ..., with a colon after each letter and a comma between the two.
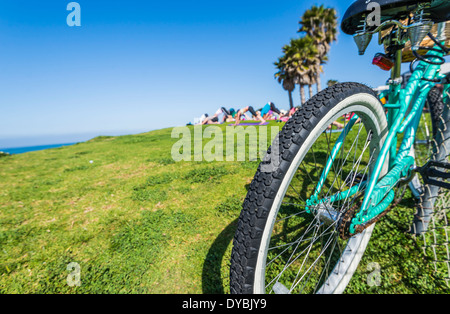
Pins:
x: 292, y: 232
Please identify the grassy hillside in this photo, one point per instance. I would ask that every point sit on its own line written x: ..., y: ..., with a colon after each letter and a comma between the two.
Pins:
x: 137, y: 222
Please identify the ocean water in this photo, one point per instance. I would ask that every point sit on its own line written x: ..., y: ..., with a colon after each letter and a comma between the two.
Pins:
x: 21, y: 150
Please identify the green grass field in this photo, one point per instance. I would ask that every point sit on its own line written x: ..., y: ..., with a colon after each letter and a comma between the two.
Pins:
x: 138, y: 222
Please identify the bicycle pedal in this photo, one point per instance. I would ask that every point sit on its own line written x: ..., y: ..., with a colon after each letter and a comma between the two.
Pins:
x: 431, y: 174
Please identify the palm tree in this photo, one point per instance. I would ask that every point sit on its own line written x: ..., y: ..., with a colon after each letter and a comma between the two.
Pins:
x: 321, y: 25
x: 289, y: 85
x: 302, y: 81
x: 312, y: 74
x: 303, y: 61
x: 285, y: 79
x: 287, y: 73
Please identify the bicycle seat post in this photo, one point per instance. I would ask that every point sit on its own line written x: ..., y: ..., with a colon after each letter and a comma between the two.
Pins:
x: 395, y: 85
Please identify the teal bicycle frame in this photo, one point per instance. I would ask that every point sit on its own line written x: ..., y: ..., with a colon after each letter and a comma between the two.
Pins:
x: 404, y: 111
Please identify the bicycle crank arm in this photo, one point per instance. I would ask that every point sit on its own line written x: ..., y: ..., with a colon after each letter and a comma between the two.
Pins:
x: 430, y: 174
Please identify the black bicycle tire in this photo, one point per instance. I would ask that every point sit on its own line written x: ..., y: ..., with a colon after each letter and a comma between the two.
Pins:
x: 263, y: 189
x: 440, y: 114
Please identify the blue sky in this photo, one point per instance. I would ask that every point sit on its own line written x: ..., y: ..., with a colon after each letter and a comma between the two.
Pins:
x: 134, y: 66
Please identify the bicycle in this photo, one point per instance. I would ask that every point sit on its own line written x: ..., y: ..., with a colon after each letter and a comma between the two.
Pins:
x: 306, y: 223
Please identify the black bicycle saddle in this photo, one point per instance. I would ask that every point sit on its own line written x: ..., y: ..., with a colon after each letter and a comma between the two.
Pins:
x: 393, y: 9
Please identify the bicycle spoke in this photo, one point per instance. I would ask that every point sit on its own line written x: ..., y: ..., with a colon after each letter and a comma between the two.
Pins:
x: 312, y: 249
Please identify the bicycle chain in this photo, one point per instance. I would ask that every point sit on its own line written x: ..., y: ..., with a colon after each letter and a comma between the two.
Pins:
x: 346, y: 220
